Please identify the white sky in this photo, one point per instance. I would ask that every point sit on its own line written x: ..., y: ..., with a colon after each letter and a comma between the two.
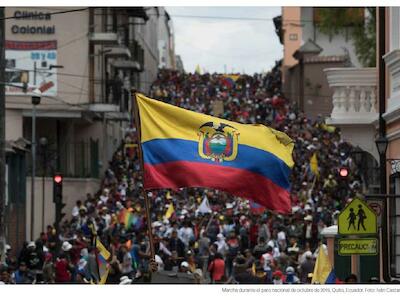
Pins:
x: 242, y: 45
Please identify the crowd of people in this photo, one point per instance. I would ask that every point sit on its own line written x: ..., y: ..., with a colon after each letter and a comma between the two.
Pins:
x: 203, y: 235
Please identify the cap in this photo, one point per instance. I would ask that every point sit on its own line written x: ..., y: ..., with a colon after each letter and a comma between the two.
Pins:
x: 308, y: 254
x: 66, y: 246
x: 184, y: 264
x: 308, y: 218
x: 125, y: 280
x: 289, y: 270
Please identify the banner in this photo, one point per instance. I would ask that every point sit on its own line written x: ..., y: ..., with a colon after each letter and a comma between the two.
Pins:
x: 31, y: 63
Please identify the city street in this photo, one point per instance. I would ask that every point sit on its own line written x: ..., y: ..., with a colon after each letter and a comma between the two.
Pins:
x: 134, y: 152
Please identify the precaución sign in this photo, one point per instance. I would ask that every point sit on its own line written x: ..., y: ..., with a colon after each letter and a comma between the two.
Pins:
x: 358, y: 246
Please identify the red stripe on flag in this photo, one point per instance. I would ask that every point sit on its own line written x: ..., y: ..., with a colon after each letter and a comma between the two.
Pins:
x: 238, y: 182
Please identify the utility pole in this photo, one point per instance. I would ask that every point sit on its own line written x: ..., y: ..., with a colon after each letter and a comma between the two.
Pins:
x: 2, y: 138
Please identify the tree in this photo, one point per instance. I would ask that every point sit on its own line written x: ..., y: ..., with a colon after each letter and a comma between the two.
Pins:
x: 359, y: 22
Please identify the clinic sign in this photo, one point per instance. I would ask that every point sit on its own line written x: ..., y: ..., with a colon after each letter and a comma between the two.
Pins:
x: 24, y: 24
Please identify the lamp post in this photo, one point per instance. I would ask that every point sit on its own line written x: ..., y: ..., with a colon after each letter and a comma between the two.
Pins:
x: 43, y: 144
x: 35, y: 101
x: 382, y: 144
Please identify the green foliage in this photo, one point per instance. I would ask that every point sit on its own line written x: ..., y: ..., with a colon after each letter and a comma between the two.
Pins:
x: 334, y: 21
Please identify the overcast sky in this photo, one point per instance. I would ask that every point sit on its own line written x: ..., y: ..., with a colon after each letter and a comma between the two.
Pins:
x: 242, y: 45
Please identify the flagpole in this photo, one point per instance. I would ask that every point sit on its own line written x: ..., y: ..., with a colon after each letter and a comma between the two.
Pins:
x: 140, y: 154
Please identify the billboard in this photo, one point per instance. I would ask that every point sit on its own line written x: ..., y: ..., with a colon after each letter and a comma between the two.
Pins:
x: 31, y: 63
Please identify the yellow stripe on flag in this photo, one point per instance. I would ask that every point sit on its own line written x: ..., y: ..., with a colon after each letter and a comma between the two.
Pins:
x: 164, y: 121
x: 102, y: 250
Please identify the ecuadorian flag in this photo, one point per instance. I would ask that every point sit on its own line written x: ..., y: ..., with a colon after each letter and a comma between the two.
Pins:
x: 182, y: 148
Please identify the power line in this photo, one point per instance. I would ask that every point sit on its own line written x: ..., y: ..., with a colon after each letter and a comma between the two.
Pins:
x: 235, y: 18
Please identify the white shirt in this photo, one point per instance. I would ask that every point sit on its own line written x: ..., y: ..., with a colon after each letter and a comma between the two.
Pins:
x: 267, y: 258
x: 186, y: 234
x: 308, y: 231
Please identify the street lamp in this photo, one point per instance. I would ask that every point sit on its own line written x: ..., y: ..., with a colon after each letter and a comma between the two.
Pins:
x: 382, y: 144
x: 35, y: 101
x: 43, y: 145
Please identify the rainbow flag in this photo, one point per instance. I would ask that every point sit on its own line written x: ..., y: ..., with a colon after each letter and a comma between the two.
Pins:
x: 130, y: 219
x: 182, y: 148
x: 125, y: 216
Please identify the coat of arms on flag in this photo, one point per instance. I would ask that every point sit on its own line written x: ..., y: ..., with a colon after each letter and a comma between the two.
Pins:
x: 218, y: 142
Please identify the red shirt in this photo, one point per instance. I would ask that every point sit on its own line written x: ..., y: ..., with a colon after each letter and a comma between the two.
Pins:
x: 217, y: 269
x: 62, y: 273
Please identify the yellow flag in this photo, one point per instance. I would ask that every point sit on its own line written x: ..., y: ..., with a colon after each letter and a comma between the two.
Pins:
x: 322, y: 267
x: 198, y: 69
x: 314, y: 164
x: 328, y: 128
x: 170, y: 211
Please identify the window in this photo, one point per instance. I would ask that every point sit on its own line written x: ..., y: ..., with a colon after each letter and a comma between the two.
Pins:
x: 293, y: 37
x: 394, y: 27
x: 394, y: 226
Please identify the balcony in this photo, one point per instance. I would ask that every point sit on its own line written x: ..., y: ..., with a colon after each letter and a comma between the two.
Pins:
x: 104, y: 38
x: 354, y: 103
x: 354, y: 95
x: 117, y: 52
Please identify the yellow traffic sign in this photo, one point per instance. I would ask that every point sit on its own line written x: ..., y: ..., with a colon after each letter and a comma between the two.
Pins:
x: 358, y: 246
x: 357, y: 218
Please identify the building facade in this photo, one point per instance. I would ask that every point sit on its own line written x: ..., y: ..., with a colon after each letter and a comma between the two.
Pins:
x: 392, y: 118
x: 303, y: 79
x: 85, y: 63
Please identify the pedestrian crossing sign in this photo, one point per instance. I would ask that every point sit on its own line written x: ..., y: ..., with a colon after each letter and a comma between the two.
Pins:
x: 357, y: 218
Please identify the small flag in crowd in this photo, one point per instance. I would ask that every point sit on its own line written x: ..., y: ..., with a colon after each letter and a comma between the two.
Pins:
x: 198, y: 69
x: 204, y: 207
x: 102, y: 261
x: 328, y: 128
x: 129, y: 219
x: 314, y: 164
x: 182, y: 148
x: 170, y: 211
x: 256, y: 208
x: 229, y: 80
x: 323, y: 271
